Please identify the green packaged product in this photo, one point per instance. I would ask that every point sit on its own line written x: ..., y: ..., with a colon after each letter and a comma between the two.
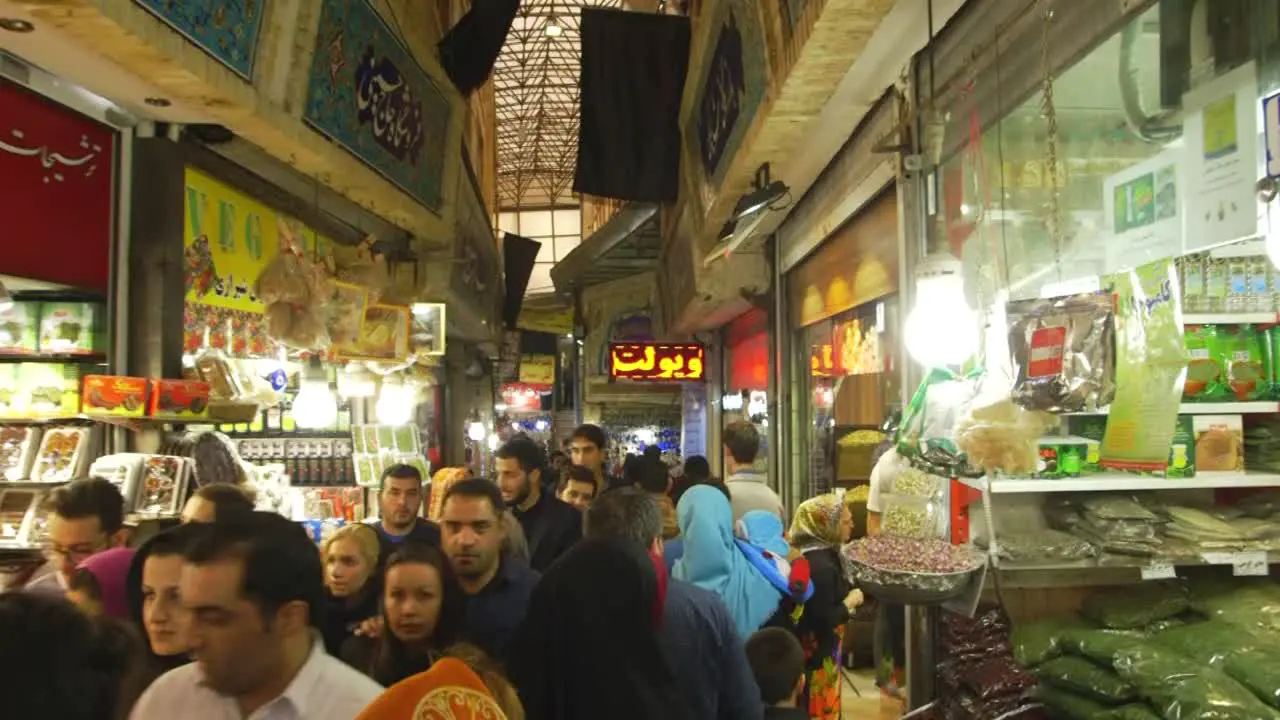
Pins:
x: 1182, y: 451
x: 1252, y: 659
x: 1100, y: 646
x: 1068, y: 704
x: 1137, y: 606
x: 1132, y: 711
x: 1205, y: 366
x: 1081, y: 676
x: 1246, y: 376
x: 1041, y: 640
x: 1091, y: 429
x: 1251, y: 605
x: 1182, y: 689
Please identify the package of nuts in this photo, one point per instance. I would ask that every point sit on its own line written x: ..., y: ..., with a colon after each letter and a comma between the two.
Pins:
x: 1064, y: 352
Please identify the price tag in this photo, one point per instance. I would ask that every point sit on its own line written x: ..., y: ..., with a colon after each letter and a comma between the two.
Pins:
x: 1159, y: 571
x: 1219, y: 558
x: 1249, y: 564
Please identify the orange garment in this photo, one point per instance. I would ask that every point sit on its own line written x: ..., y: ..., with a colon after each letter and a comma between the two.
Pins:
x: 444, y: 479
x: 450, y: 690
x: 670, y: 525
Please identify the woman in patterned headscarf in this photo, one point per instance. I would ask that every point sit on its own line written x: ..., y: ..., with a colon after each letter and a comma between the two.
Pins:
x: 444, y: 479
x: 821, y: 525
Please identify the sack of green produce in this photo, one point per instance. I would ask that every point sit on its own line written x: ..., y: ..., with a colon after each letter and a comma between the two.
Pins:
x: 1100, y: 646
x: 1182, y: 689
x: 1081, y: 676
x: 1067, y: 704
x: 1136, y: 606
x: 1041, y: 640
x: 1251, y: 659
x: 1252, y: 605
x: 1132, y: 711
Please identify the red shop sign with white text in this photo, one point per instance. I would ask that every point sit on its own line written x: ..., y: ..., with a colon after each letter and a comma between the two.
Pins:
x: 56, y: 171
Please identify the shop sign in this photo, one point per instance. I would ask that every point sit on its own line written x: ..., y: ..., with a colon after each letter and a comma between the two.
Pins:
x: 521, y: 397
x: 56, y: 170
x: 656, y: 362
x: 227, y: 31
x: 732, y: 85
x: 1143, y: 206
x: 367, y: 93
x: 557, y: 320
x: 1221, y: 145
x: 538, y: 369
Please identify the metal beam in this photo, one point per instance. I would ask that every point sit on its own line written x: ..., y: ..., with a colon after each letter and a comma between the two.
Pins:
x: 594, y: 251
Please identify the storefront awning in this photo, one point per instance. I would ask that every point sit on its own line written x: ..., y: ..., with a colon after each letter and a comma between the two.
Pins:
x: 626, y: 245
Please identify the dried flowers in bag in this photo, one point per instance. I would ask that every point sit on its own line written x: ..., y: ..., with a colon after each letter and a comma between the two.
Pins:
x: 296, y: 293
x: 1063, y: 352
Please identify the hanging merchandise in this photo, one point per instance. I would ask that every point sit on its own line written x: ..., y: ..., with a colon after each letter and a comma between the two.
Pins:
x: 1063, y: 352
x: 927, y: 434
x: 1151, y: 370
x: 1003, y: 437
x: 296, y: 292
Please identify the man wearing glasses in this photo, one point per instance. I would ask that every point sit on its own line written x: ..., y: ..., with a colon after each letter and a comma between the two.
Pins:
x: 85, y: 517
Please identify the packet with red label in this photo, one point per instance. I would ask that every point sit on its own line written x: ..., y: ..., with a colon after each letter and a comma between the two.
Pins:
x: 1064, y: 352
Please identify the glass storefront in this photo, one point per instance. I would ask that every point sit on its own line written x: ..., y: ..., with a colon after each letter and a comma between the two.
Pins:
x: 745, y: 394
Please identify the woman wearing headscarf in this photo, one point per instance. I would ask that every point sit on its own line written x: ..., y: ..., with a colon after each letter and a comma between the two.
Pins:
x: 715, y: 560
x: 820, y: 526
x: 99, y: 585
x: 451, y: 690
x: 588, y: 646
x: 444, y: 479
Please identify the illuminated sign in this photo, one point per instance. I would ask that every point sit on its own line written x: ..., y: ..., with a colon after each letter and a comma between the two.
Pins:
x: 822, y: 360
x: 656, y: 361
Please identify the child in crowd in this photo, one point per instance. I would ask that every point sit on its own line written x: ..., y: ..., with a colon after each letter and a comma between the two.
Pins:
x: 777, y: 661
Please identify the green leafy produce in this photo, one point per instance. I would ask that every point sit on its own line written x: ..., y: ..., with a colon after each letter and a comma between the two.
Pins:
x: 1252, y: 605
x: 1081, y: 676
x: 1182, y: 689
x: 1251, y: 659
x: 1101, y: 646
x: 1068, y: 704
x: 1041, y: 640
x: 1132, y: 711
x: 1136, y: 606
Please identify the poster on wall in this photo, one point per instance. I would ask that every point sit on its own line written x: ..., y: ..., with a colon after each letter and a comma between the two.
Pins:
x: 693, y: 426
x: 538, y: 369
x: 368, y: 94
x: 1143, y: 209
x: 1221, y: 159
x: 227, y: 31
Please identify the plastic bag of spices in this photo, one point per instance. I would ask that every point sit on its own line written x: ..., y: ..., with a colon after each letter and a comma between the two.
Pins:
x: 1063, y: 352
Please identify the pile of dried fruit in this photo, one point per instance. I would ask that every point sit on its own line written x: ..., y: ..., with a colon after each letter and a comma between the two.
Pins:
x: 914, y: 555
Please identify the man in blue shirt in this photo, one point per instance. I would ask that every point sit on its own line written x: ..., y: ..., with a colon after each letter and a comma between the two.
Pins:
x: 498, y: 590
x: 399, y: 502
x: 698, y: 635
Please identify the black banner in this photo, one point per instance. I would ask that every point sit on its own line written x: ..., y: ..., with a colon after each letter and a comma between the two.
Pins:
x: 633, y: 73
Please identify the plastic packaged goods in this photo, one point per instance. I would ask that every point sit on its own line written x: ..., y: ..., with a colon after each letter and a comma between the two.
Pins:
x: 916, y: 483
x: 1252, y: 660
x: 1136, y: 606
x: 1038, y: 641
x: 1253, y: 606
x: 927, y: 433
x: 1081, y: 676
x: 1063, y: 352
x: 1191, y: 272
x: 1205, y: 368
x: 215, y: 460
x: 1003, y: 437
x: 1042, y: 546
x: 1182, y: 689
x: 1117, y: 507
x: 912, y: 517
x: 1260, y: 299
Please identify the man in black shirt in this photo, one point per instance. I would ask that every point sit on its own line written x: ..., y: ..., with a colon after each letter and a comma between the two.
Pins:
x: 399, y: 502
x: 498, y: 589
x: 551, y: 527
x: 589, y: 448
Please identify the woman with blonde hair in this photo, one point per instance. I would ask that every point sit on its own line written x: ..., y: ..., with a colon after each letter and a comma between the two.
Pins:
x: 351, y: 583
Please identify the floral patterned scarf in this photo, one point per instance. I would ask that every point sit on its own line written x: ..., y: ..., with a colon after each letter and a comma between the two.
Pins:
x: 817, y: 523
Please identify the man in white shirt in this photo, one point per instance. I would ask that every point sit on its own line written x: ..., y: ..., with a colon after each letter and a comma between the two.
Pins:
x: 253, y: 587
x: 748, y: 488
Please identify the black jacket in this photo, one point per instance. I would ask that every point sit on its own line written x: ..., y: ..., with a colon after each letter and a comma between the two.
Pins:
x: 551, y: 527
x: 341, y: 617
x: 825, y: 610
x: 361, y: 653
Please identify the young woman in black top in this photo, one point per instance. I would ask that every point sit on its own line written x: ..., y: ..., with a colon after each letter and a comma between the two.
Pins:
x: 351, y: 584
x: 422, y: 610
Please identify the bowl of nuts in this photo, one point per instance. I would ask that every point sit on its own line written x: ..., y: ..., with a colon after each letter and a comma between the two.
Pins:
x: 911, y: 570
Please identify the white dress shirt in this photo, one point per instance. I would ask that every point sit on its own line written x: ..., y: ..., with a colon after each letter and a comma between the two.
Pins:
x: 324, y: 689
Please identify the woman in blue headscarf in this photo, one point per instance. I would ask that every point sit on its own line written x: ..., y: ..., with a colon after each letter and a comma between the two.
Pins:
x: 717, y: 561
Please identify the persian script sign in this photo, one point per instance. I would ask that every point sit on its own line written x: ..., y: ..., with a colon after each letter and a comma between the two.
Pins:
x: 656, y: 361
x: 228, y: 31
x: 366, y: 93
x: 731, y: 81
x: 722, y: 99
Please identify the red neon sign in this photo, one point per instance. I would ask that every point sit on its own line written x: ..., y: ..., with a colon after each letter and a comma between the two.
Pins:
x: 656, y: 362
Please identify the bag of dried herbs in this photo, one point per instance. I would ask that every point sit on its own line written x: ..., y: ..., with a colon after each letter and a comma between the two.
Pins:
x: 1252, y: 605
x: 1137, y: 606
x: 1251, y: 659
x: 1100, y: 646
x: 1083, y: 677
x: 1069, y: 705
x: 1182, y: 689
x: 1040, y: 640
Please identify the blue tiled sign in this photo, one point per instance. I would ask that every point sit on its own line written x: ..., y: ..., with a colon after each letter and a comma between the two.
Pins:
x: 226, y: 29
x: 367, y: 93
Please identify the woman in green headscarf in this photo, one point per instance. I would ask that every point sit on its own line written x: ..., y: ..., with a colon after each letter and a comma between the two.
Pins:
x: 821, y: 525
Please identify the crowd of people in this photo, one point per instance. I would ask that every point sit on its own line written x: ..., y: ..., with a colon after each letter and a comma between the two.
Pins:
x: 552, y: 591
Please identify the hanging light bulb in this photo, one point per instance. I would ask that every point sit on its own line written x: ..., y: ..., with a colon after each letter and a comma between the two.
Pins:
x: 315, y: 406
x: 356, y: 382
x: 553, y: 28
x: 941, y: 329
x: 395, y: 402
x: 475, y: 431
x: 493, y: 442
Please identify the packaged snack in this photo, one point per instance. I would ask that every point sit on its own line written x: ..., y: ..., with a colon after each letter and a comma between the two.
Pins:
x: 215, y: 369
x: 114, y: 395
x: 69, y: 328
x: 1182, y: 452
x: 1219, y: 442
x: 18, y: 446
x: 1063, y: 352
x: 123, y: 470
x: 1061, y: 457
x: 19, y: 329
x: 62, y: 456
x: 188, y: 399
x: 1246, y: 375
x: 163, y: 484
x: 9, y: 391
x: 51, y: 390
x: 1136, y: 606
x: 1091, y: 429
x: 1205, y: 368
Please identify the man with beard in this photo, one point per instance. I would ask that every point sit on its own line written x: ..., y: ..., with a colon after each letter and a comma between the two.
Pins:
x: 497, y: 589
x: 252, y: 587
x: 399, y: 502
x: 551, y: 526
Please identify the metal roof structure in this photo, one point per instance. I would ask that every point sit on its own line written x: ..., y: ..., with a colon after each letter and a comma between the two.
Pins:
x: 536, y: 89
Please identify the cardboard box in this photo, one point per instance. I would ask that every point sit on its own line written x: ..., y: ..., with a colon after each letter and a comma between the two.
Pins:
x: 187, y: 399
x: 114, y: 395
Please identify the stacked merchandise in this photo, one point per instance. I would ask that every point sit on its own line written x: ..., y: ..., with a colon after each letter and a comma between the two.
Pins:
x: 1262, y: 446
x: 978, y: 678
x: 1112, y: 523
x: 152, y: 485
x: 377, y: 447
x: 1206, y: 651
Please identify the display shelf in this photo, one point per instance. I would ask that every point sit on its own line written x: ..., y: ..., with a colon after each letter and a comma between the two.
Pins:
x: 29, y: 485
x: 1231, y: 318
x: 56, y: 359
x: 1113, y: 562
x: 1213, y: 408
x: 1118, y: 481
